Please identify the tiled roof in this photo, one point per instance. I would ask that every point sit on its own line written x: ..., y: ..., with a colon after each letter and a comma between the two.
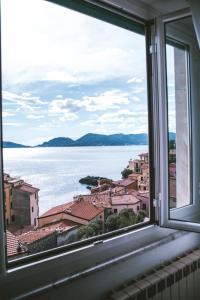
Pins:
x: 19, y: 229
x: 85, y: 210
x: 78, y: 208
x: 63, y: 225
x: 13, y: 246
x: 28, y: 188
x: 124, y: 182
x: 32, y: 236
x: 125, y: 199
x: 100, y: 199
x: 57, y: 209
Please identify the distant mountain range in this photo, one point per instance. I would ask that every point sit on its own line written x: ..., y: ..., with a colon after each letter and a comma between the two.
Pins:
x: 92, y: 139
x: 13, y: 145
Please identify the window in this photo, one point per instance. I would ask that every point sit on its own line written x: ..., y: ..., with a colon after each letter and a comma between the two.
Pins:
x: 64, y: 97
x: 179, y: 150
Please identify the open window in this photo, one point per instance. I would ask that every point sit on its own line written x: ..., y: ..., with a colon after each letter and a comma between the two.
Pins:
x: 75, y: 103
x: 179, y: 69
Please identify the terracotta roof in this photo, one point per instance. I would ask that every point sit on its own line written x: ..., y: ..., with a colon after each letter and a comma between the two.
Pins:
x: 19, y: 229
x: 28, y: 188
x: 125, y: 199
x: 63, y: 225
x: 57, y: 209
x: 78, y: 208
x: 32, y: 236
x: 124, y: 182
x: 13, y: 246
x: 85, y: 210
x: 100, y: 199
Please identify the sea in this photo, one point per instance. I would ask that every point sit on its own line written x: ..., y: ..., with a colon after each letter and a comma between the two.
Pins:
x: 56, y: 171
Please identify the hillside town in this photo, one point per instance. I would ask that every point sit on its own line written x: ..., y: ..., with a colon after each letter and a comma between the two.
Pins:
x: 110, y: 205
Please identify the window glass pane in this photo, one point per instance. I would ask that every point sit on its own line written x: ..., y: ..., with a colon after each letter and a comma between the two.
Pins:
x: 75, y: 126
x: 182, y: 57
x: 179, y: 171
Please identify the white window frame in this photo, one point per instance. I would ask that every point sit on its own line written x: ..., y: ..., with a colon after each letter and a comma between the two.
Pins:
x: 165, y: 221
x: 67, y: 249
x: 100, y: 253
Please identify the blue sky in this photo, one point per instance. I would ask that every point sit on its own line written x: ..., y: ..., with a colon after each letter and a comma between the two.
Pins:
x: 67, y: 74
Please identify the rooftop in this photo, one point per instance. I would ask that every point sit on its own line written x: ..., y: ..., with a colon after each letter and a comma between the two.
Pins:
x: 124, y: 182
x: 34, y: 235
x: 78, y: 208
x: 28, y: 188
x: 125, y: 199
x: 13, y: 245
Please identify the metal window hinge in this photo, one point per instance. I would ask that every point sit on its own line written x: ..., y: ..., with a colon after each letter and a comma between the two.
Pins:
x: 152, y: 49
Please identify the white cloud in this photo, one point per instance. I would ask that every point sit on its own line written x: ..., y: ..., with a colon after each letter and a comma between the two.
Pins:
x: 44, y: 41
x: 12, y: 124
x: 67, y: 109
x: 35, y: 116
x: 135, y: 80
x: 25, y: 102
x: 107, y: 100
x: 122, y: 119
x: 64, y: 108
x: 7, y: 114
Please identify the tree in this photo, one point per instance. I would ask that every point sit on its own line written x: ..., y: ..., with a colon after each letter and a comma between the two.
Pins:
x: 112, y: 222
x: 126, y: 172
x: 92, y: 229
x: 85, y: 232
x: 140, y: 216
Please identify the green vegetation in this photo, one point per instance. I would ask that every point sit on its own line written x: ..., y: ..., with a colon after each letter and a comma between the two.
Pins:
x: 92, y: 180
x: 126, y: 172
x: 124, y: 218
x: 93, y: 228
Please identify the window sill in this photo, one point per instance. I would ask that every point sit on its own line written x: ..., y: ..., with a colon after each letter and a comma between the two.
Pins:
x: 70, y: 267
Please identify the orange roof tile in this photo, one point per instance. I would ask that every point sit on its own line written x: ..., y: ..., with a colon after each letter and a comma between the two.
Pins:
x: 63, y: 225
x: 125, y: 199
x: 13, y: 245
x: 32, y: 236
x: 124, y: 182
x: 78, y: 208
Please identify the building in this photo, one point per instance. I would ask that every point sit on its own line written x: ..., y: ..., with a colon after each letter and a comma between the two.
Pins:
x: 8, y: 202
x: 15, y: 249
x: 78, y: 211
x: 21, y: 201
x: 127, y: 184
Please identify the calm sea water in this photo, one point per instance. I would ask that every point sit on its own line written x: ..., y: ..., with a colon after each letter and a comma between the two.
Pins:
x: 56, y: 171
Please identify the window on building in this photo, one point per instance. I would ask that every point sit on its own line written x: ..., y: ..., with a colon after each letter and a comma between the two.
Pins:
x: 13, y: 218
x: 64, y: 97
x: 144, y: 206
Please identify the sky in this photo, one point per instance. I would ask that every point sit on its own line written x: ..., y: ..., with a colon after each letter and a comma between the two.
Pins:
x: 67, y: 74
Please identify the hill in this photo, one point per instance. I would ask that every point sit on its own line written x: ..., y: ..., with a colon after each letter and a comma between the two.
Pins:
x: 13, y: 145
x: 58, y: 142
x: 93, y: 139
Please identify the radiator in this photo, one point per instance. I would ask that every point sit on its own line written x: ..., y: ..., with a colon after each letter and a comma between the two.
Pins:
x: 177, y: 280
